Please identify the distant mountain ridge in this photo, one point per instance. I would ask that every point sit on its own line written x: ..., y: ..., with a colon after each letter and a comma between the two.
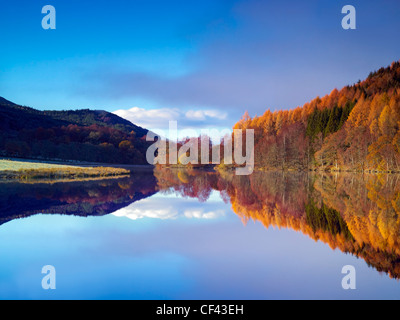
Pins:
x: 83, y: 117
x: 31, y: 133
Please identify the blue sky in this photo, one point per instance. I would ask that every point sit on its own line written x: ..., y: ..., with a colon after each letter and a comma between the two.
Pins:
x: 199, y: 62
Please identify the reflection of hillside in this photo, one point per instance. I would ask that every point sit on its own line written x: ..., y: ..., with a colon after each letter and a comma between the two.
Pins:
x: 187, y: 183
x: 84, y: 198
x: 357, y: 215
x: 370, y: 207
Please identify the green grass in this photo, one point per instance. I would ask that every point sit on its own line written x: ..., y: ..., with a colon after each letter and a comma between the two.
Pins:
x: 23, y: 165
x: 20, y: 170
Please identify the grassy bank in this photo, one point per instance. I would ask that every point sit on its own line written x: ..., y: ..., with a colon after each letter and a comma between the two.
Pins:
x: 20, y: 170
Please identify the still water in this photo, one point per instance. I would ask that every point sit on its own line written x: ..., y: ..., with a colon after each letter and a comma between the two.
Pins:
x: 202, y: 235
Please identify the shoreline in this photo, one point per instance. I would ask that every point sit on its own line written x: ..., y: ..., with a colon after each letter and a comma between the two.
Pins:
x: 73, y: 163
x: 61, y: 174
x: 11, y: 170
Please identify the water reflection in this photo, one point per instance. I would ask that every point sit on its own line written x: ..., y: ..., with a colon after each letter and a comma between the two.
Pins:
x: 357, y: 214
x: 81, y: 198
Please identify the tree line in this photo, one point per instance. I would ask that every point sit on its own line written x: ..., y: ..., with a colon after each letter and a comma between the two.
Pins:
x: 352, y: 129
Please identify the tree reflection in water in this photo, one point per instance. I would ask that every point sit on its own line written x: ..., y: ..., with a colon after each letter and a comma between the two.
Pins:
x: 357, y: 214
x: 81, y: 198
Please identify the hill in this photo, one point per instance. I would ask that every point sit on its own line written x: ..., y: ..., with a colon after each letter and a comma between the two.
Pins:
x: 356, y: 128
x: 80, y: 135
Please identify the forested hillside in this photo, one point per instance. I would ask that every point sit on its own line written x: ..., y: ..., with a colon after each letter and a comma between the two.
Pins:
x: 356, y: 128
x: 81, y: 135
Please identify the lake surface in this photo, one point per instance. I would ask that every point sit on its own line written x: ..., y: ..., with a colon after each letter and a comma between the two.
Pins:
x: 202, y: 235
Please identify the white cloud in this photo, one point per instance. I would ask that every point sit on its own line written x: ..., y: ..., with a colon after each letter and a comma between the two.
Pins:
x: 137, y: 213
x: 201, y: 115
x: 155, y: 208
x: 153, y: 118
x: 200, y: 214
x: 157, y: 120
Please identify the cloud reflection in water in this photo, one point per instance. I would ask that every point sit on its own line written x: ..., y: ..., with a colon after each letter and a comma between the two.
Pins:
x: 157, y: 207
